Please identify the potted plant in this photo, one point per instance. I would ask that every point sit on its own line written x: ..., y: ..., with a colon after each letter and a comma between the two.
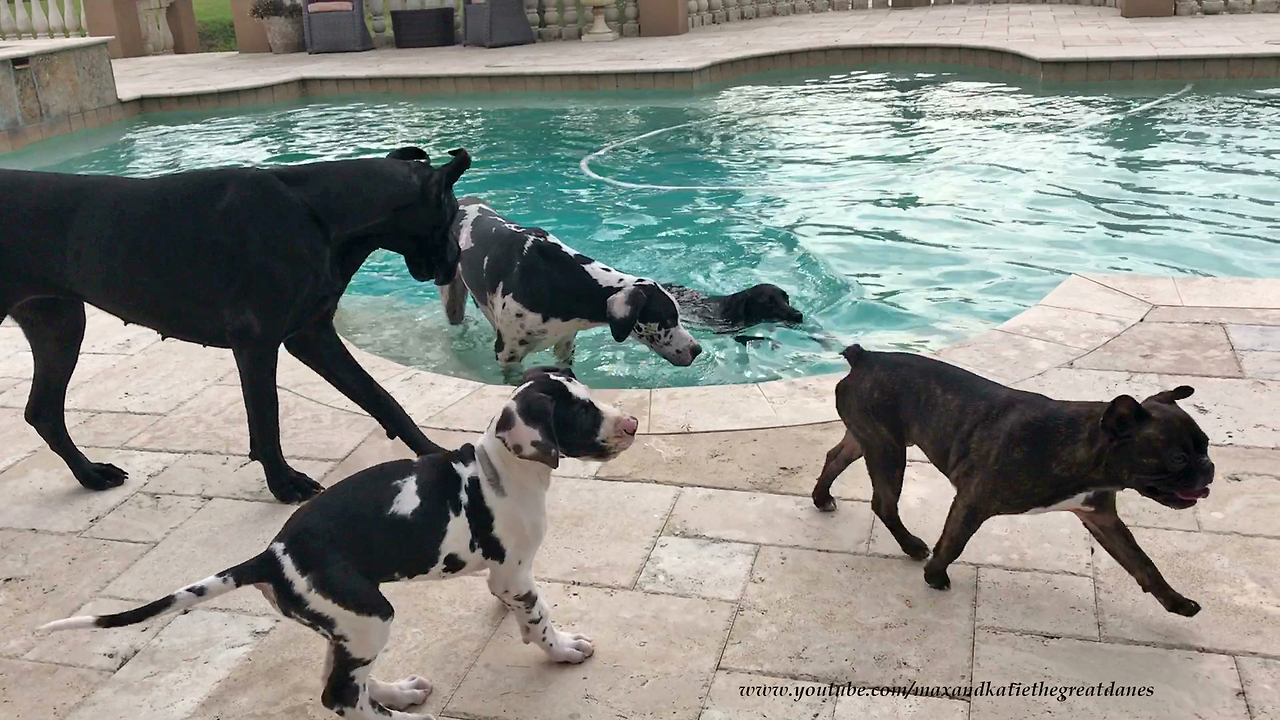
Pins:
x: 283, y: 22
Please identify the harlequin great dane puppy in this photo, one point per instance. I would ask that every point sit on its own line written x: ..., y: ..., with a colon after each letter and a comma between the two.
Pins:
x: 482, y: 506
x: 538, y: 293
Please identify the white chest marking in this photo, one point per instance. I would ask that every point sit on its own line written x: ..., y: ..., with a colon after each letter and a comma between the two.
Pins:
x: 1075, y: 502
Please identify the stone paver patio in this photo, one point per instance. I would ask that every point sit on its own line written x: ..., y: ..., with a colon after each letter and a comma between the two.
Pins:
x: 695, y: 560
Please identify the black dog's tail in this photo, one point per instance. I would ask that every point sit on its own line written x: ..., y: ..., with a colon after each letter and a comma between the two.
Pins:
x: 246, y: 573
x: 854, y: 353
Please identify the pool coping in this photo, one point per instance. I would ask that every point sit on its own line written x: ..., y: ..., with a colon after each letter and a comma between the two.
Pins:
x: 1082, y: 314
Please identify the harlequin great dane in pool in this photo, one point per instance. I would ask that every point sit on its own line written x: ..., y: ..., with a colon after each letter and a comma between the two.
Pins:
x: 538, y: 293
x: 239, y: 258
x: 482, y: 506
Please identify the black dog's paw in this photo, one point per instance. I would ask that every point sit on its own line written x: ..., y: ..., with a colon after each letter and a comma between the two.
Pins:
x: 1183, y: 606
x: 824, y: 502
x: 937, y: 579
x: 915, y: 548
x: 101, y: 476
x: 294, y: 487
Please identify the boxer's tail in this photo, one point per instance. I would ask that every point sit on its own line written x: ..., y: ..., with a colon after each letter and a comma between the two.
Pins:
x: 853, y: 353
x: 246, y: 573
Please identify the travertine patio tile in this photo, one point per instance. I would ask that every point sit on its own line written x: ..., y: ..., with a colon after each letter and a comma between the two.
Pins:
x: 111, y: 430
x: 44, y: 692
x: 803, y: 400
x: 19, y: 366
x: 655, y: 656
x: 1075, y: 328
x: 777, y: 460
x: 439, y: 630
x: 1079, y: 293
x: 1036, y: 602
x: 227, y: 476
x: 863, y: 707
x: 1234, y: 578
x: 1053, y: 541
x: 1167, y: 348
x: 155, y: 380
x: 1244, y: 316
x: 1006, y: 357
x: 728, y: 699
x: 41, y: 494
x: 222, y: 534
x: 105, y: 333
x: 1230, y: 411
x: 833, y: 617
x: 378, y: 448
x: 698, y: 568
x: 18, y: 439
x: 769, y: 520
x: 1139, y: 511
x: 1153, y: 289
x: 702, y: 409
x: 1184, y: 684
x: 215, y: 422
x: 172, y: 674
x: 99, y: 649
x: 1245, y: 504
x: 473, y: 412
x: 1261, y: 365
x: 1230, y: 292
x: 601, y: 532
x: 145, y: 518
x: 48, y: 577
x: 1261, y: 679
x: 1233, y: 460
x: 1255, y: 337
x: 425, y: 394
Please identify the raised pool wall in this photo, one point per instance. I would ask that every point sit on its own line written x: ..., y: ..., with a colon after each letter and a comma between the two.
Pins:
x: 54, y: 87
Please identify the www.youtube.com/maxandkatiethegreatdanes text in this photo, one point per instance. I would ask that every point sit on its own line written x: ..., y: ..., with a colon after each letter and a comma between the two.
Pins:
x: 1037, y: 689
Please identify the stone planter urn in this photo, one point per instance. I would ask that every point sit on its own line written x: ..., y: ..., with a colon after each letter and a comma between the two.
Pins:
x: 599, y: 30
x: 284, y: 34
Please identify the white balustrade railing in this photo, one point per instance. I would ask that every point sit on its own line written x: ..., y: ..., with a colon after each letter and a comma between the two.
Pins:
x: 153, y: 19
x: 31, y: 19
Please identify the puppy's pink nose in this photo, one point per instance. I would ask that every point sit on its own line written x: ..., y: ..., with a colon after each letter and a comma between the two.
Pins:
x: 630, y: 425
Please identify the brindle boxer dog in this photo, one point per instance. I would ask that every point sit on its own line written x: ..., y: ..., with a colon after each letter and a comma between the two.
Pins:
x: 1009, y: 452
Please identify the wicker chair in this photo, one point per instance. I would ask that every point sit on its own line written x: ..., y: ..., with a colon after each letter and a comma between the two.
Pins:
x: 330, y: 26
x: 496, y: 23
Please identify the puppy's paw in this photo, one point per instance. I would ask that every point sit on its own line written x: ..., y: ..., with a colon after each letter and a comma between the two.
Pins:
x: 915, y: 548
x: 101, y: 476
x: 824, y: 502
x: 937, y: 579
x: 1182, y: 606
x: 401, y: 694
x: 571, y: 648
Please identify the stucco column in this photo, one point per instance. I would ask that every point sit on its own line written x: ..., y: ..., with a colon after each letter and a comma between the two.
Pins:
x: 251, y: 37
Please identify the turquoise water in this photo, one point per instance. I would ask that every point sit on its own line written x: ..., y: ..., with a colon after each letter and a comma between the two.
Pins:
x: 904, y: 207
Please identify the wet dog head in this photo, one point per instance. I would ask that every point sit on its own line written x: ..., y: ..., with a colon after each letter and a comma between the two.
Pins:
x: 1167, y: 452
x: 431, y: 252
x: 760, y: 304
x: 649, y: 314
x: 553, y: 415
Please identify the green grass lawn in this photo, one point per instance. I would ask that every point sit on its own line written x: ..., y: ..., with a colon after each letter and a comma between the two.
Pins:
x: 213, y: 21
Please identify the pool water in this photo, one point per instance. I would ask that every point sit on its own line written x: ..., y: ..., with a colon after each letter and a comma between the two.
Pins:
x: 901, y: 208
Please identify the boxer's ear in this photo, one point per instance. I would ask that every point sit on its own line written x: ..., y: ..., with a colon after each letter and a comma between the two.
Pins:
x: 1122, y: 417
x: 623, y: 309
x: 1170, y: 397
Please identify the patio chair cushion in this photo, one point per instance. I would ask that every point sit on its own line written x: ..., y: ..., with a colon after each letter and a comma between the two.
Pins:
x: 330, y: 6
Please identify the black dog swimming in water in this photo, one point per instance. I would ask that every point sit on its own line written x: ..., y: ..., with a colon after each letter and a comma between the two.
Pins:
x: 241, y: 258
x: 730, y: 313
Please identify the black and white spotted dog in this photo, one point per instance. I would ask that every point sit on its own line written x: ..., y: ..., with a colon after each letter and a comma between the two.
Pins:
x: 482, y: 506
x: 538, y: 293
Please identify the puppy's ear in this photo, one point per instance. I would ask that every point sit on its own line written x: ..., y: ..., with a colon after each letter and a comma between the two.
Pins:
x: 623, y: 309
x: 409, y: 153
x: 528, y: 431
x: 1122, y: 417
x: 539, y: 371
x: 458, y: 165
x: 1169, y: 397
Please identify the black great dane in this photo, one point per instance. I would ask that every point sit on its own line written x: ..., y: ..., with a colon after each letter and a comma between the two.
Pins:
x: 239, y: 258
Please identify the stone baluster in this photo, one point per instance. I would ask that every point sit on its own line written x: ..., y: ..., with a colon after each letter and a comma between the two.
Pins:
x: 715, y: 10
x: 781, y: 7
x: 144, y: 26
x: 571, y: 30
x: 550, y: 29
x: 57, y: 28
x: 8, y: 28
x: 704, y: 12
x: 533, y: 17
x: 379, y: 22
x: 611, y: 17
x: 764, y: 8
x: 459, y: 21
x: 71, y: 16
x: 39, y: 22
x: 413, y: 5
x: 84, y: 19
x: 731, y: 12
x: 693, y: 13
x: 21, y: 19
x: 800, y: 7
x: 747, y: 9
x: 630, y: 19
x: 162, y: 18
x: 821, y: 5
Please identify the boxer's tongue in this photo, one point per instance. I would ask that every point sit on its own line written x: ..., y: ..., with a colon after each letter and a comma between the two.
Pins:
x: 1193, y: 494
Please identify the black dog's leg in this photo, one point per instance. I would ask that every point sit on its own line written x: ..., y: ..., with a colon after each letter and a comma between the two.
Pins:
x: 257, y: 362
x: 55, y: 328
x: 839, y: 458
x: 963, y: 520
x: 886, y: 466
x: 1114, y: 536
x: 320, y: 349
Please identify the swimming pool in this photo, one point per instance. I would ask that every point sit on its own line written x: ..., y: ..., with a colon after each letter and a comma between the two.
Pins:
x: 900, y: 207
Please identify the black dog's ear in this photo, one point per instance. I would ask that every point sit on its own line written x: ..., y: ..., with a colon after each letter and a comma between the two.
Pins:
x: 623, y: 309
x: 458, y: 165
x: 1169, y: 397
x: 529, y: 431
x: 409, y: 153
x: 1123, y: 416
